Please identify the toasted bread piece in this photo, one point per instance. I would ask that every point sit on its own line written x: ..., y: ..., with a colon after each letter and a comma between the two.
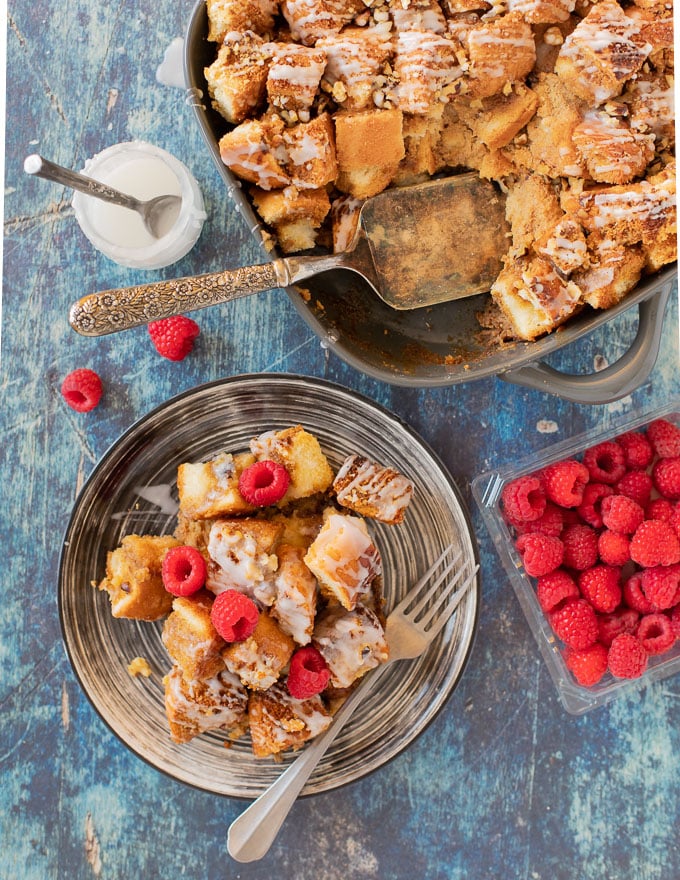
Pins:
x: 301, y: 454
x: 242, y: 557
x: 603, y: 51
x: 133, y: 577
x: 210, y: 489
x: 566, y: 246
x: 310, y: 20
x: 240, y: 15
x: 295, y: 215
x: 496, y: 120
x: 195, y: 706
x: 293, y: 77
x: 311, y: 161
x: 344, y: 559
x: 193, y: 532
x: 294, y: 607
x: 237, y: 77
x: 259, y: 660
x: 614, y: 270
x: 534, y: 297
x: 533, y: 210
x: 278, y: 721
x: 611, y: 151
x: 550, y: 132
x: 456, y: 145
x: 542, y: 11
x: 356, y: 59
x: 371, y: 490
x: 362, y: 139
x: 421, y: 141
x: 427, y: 65
x: 351, y: 642
x: 501, y: 50
x: 190, y: 638
x: 652, y: 108
x: 251, y: 151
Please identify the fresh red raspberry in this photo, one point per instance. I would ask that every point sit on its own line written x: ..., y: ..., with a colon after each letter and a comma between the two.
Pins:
x: 540, y: 554
x: 674, y: 618
x: 636, y: 485
x: 308, y: 674
x: 580, y: 547
x: 234, y: 615
x: 661, y: 586
x: 613, y: 548
x: 666, y: 477
x: 82, y: 389
x: 637, y: 449
x: 550, y: 522
x: 587, y: 666
x: 183, y: 570
x: 660, y: 508
x: 601, y: 586
x: 523, y: 499
x: 575, y: 622
x: 655, y: 542
x: 264, y: 483
x: 552, y: 589
x: 656, y: 633
x: 565, y: 481
x: 619, y: 621
x: 621, y: 514
x: 606, y: 462
x: 173, y: 338
x: 634, y: 597
x: 664, y: 437
x: 590, y: 508
x: 627, y: 657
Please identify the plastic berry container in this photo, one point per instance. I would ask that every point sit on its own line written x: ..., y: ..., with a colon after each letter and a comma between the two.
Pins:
x: 487, y: 488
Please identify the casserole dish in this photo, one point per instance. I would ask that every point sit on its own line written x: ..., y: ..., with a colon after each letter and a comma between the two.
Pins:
x: 439, y: 345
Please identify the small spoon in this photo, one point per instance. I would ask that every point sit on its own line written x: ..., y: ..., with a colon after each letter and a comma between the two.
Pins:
x: 154, y: 212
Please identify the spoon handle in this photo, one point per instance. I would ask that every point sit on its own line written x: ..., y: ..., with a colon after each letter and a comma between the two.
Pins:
x: 40, y: 167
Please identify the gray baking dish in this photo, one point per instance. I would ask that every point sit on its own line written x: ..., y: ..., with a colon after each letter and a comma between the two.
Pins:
x: 439, y: 345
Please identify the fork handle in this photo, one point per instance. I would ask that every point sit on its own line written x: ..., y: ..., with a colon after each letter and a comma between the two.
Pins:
x: 253, y: 832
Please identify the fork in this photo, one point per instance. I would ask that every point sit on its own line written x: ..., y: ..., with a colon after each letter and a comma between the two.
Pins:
x: 410, y: 628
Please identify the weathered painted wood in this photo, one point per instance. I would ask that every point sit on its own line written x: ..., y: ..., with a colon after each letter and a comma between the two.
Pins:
x: 504, y: 784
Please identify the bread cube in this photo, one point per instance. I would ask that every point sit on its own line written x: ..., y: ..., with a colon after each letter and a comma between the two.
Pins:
x: 133, y: 577
x: 500, y: 117
x: 311, y: 161
x: 301, y: 455
x: 251, y: 151
x: 310, y: 20
x: 190, y: 638
x: 260, y: 659
x: 542, y: 11
x: 240, y: 15
x: 566, y: 246
x: 551, y: 131
x: 295, y: 215
x: 426, y: 65
x: 294, y: 607
x: 610, y: 150
x: 614, y: 270
x: 237, y: 77
x: 242, y: 557
x: 533, y: 210
x: 356, y: 58
x: 210, y: 489
x: 501, y: 50
x: 362, y: 139
x: 372, y: 490
x: 344, y: 559
x: 278, y: 721
x: 351, y: 642
x: 197, y: 706
x: 294, y: 75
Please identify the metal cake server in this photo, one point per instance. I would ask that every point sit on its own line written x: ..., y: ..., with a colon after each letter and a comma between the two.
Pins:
x: 415, y: 246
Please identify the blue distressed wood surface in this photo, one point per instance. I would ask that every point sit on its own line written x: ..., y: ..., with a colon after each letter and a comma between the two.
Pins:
x: 504, y: 784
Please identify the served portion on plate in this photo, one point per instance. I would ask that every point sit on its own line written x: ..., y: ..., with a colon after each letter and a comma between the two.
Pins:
x: 567, y: 106
x: 133, y: 493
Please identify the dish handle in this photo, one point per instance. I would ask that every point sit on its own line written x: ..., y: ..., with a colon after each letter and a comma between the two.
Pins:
x: 615, y: 381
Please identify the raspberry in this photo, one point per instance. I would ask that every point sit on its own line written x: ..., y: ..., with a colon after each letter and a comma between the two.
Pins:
x: 637, y: 450
x: 308, y: 674
x: 613, y: 548
x: 174, y: 337
x: 606, y: 462
x: 587, y: 666
x: 183, y: 570
x: 590, y: 507
x: 664, y: 437
x: 636, y: 485
x: 523, y: 499
x: 661, y: 586
x: 550, y: 522
x: 601, y: 586
x: 565, y: 481
x: 666, y: 477
x: 575, y: 622
x: 234, y: 615
x: 82, y: 390
x: 264, y: 483
x: 655, y: 542
x: 621, y: 514
x: 611, y: 625
x: 540, y: 554
x: 580, y: 547
x: 634, y: 596
x: 660, y: 508
x: 656, y: 633
x: 552, y: 589
x: 627, y: 657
